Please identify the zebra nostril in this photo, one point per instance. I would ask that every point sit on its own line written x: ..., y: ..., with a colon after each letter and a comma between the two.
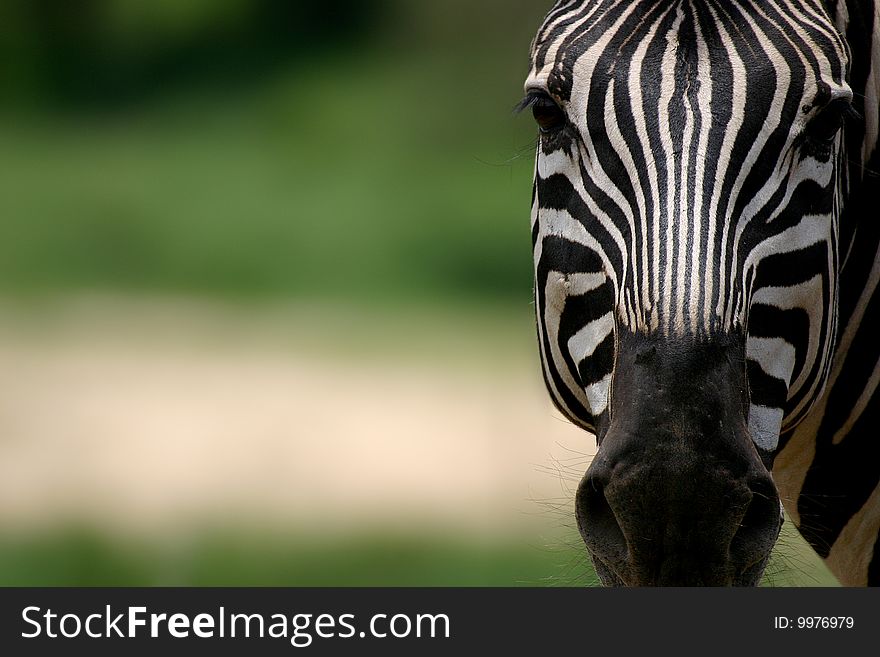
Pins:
x: 759, y: 526
x: 597, y: 521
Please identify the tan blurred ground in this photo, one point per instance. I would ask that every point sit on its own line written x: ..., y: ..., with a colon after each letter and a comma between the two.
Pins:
x: 155, y: 414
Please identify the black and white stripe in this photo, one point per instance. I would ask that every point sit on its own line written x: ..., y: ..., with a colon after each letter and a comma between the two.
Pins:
x: 687, y: 194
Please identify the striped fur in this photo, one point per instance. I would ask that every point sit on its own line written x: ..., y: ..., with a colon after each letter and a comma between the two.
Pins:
x: 687, y: 196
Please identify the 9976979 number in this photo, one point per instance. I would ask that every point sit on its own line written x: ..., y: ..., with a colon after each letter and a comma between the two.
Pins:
x: 814, y: 623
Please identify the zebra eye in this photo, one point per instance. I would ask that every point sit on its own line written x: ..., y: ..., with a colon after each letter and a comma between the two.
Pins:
x: 825, y: 125
x: 548, y: 115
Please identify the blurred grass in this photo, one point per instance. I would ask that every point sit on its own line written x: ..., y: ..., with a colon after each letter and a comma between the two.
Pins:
x: 394, y: 170
x: 82, y: 557
x: 232, y: 204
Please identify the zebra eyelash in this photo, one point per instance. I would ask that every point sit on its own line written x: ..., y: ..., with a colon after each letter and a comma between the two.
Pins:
x: 531, y: 99
x: 549, y: 116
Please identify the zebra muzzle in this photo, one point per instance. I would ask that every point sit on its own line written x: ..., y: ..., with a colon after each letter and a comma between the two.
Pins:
x: 678, y: 494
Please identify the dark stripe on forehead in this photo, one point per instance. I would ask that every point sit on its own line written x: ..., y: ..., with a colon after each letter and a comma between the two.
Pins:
x: 771, y: 31
x: 688, y: 70
x: 572, y: 45
x: 760, y: 86
x: 560, y: 9
x: 657, y: 137
x: 831, y: 41
x: 642, y: 157
x: 719, y: 63
x: 559, y: 22
x: 831, y: 46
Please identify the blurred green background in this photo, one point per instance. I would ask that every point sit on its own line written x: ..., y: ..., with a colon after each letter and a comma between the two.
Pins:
x: 264, y: 148
x: 288, y: 240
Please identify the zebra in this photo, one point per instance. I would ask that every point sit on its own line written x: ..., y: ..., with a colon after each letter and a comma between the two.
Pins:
x: 706, y: 242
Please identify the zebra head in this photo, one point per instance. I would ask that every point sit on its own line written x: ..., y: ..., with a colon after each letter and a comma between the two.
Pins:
x: 685, y: 228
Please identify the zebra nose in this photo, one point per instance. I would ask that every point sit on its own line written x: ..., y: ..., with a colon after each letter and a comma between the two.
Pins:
x: 646, y: 525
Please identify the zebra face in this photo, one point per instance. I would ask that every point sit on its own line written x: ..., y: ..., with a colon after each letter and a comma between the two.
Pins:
x: 684, y: 224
